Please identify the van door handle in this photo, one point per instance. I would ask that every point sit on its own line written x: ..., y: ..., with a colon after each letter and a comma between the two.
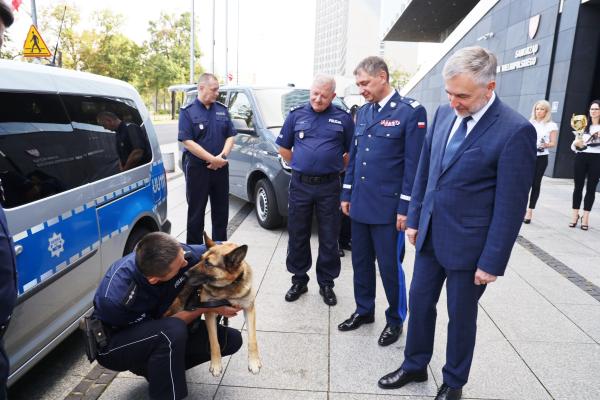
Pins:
x: 18, y: 249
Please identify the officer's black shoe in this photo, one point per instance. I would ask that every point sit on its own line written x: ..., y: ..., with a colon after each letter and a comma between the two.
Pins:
x: 355, y: 321
x: 447, y: 393
x: 296, y: 291
x: 346, y: 246
x: 390, y: 334
x: 400, y: 377
x: 328, y: 295
x: 341, y: 252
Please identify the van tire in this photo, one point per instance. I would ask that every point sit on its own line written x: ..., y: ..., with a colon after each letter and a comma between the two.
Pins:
x: 136, y: 235
x: 265, y: 205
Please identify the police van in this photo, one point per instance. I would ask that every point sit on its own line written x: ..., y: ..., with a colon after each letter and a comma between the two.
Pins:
x: 73, y: 206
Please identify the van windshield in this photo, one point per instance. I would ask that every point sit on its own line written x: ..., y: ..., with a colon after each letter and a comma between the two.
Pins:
x: 275, y: 104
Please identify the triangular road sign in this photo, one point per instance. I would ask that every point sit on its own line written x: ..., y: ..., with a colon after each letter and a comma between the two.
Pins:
x: 34, y: 45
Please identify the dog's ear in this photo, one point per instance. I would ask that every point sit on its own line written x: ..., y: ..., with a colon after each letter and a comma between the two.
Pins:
x: 208, y: 241
x: 235, y: 257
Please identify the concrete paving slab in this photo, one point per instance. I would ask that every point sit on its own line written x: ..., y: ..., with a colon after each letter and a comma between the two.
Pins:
x: 230, y: 393
x: 307, y: 315
x: 137, y: 389
x: 497, y: 372
x: 358, y: 362
x: 568, y: 371
x: 290, y: 361
x: 587, y: 317
x: 364, y: 396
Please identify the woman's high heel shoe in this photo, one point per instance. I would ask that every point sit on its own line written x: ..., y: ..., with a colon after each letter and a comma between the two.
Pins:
x: 574, y: 224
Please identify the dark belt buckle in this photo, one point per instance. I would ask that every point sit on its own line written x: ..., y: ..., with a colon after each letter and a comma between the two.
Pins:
x: 314, y: 180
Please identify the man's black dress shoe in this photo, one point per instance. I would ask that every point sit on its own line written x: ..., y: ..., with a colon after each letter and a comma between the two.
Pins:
x: 355, y: 321
x: 346, y: 246
x: 390, y: 334
x: 447, y: 393
x: 400, y: 377
x: 328, y: 295
x: 341, y: 252
x: 296, y: 291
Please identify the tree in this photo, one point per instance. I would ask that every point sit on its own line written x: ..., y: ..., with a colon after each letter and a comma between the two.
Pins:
x: 70, y: 40
x: 399, y: 78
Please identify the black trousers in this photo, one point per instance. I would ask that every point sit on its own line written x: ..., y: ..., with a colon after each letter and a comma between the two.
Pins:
x: 540, y: 167
x: 162, y: 350
x: 587, y: 167
x: 200, y: 184
x: 345, y: 224
x: 4, y: 368
x: 324, y: 199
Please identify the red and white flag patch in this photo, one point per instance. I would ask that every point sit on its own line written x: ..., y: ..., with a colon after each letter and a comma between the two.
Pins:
x: 420, y: 124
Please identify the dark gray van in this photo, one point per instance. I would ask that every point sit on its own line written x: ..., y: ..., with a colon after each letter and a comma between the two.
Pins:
x: 257, y: 173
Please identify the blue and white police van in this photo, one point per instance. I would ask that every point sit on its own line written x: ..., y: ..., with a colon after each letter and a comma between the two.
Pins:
x: 71, y: 208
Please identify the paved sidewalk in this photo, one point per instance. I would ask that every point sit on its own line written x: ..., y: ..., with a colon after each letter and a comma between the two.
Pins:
x: 539, y: 330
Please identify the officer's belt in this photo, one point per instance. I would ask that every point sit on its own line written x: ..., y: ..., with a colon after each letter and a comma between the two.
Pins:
x: 317, y: 179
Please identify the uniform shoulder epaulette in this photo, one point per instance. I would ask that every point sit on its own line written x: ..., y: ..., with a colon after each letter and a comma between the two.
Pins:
x: 218, y: 102
x: 187, y: 106
x: 341, y: 108
x: 411, y: 102
x: 299, y: 106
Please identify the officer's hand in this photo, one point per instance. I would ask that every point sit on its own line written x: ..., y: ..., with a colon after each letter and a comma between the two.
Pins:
x: 345, y: 207
x: 227, y: 311
x: 217, y: 162
x: 411, y: 234
x: 483, y: 278
x: 400, y: 222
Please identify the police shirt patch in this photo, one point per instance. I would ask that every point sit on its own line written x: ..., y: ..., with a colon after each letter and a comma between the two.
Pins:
x: 390, y: 122
x: 393, y: 105
x: 130, y: 295
x: 420, y: 124
x: 335, y: 121
x: 301, y: 135
x: 220, y: 113
x: 201, y: 126
x: 415, y: 104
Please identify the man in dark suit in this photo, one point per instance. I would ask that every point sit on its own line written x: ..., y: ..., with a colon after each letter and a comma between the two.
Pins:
x: 468, y: 199
x: 383, y: 161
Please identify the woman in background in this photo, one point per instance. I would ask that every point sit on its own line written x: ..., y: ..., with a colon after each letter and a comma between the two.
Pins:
x: 547, y: 131
x: 587, y: 166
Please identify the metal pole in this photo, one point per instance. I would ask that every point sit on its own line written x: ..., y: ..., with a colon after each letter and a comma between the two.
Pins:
x: 212, y: 69
x: 226, y: 41
x: 192, y: 53
x: 33, y: 13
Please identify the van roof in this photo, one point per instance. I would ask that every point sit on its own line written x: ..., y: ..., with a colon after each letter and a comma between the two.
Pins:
x: 17, y: 75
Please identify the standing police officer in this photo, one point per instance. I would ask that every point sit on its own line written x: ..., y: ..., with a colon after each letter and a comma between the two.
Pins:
x: 206, y: 131
x: 8, y: 268
x: 314, y: 139
x: 131, y: 300
x: 383, y: 161
x: 133, y: 148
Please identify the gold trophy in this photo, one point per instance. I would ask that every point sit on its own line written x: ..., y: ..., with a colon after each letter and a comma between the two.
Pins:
x: 578, y: 123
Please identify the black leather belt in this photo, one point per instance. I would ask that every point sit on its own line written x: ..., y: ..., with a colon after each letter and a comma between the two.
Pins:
x: 317, y: 179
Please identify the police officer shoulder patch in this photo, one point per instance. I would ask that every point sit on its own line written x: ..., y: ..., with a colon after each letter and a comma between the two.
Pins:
x: 218, y: 102
x: 339, y: 107
x: 187, y: 106
x: 299, y: 106
x: 411, y: 102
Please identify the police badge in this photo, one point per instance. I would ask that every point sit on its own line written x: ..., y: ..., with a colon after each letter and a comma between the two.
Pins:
x: 301, y: 135
x: 201, y: 126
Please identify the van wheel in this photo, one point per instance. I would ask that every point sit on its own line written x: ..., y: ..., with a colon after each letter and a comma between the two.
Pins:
x: 133, y: 239
x: 265, y: 205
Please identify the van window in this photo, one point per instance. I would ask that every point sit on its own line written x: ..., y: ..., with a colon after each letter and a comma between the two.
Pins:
x: 240, y: 109
x: 42, y: 153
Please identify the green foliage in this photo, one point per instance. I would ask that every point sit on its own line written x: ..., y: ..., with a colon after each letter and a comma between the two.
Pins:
x: 103, y: 49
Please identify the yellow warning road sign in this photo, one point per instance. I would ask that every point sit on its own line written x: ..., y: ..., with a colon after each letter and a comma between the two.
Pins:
x: 34, y: 45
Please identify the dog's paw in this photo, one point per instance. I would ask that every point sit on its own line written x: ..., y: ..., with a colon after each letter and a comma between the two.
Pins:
x: 215, y: 368
x: 254, y: 365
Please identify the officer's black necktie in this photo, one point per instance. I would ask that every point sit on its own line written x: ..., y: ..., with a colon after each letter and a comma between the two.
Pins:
x: 455, y: 141
x: 375, y: 110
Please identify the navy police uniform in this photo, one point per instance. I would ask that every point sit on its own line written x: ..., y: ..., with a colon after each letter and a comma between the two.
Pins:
x: 209, y: 128
x: 8, y: 293
x: 129, y: 137
x: 378, y: 184
x: 319, y: 140
x: 140, y: 339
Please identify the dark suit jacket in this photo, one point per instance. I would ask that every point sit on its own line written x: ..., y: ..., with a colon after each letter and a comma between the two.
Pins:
x: 473, y: 209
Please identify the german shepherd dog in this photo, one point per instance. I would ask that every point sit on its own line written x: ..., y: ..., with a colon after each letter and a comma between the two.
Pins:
x: 222, y: 274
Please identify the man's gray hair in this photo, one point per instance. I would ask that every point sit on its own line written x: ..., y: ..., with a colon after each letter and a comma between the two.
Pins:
x: 372, y: 66
x: 324, y: 80
x: 205, y: 77
x: 476, y: 61
x: 155, y: 253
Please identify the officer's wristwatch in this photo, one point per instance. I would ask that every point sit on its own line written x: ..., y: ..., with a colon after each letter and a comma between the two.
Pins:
x: 223, y: 156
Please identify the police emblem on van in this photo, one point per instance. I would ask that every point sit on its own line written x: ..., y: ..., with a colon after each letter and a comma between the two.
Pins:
x: 56, y: 244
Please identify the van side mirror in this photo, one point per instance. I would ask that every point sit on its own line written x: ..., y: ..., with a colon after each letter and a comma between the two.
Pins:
x: 241, y: 126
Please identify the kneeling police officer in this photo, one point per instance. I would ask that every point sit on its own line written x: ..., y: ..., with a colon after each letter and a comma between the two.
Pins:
x: 130, y: 303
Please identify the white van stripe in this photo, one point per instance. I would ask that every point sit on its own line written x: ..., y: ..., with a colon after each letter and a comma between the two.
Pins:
x: 37, y: 228
x: 20, y: 236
